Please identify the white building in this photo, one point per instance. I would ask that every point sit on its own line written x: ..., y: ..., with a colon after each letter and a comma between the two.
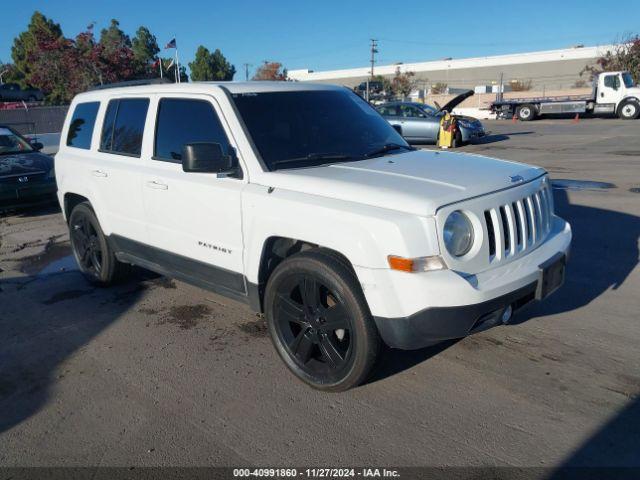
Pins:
x: 551, y: 69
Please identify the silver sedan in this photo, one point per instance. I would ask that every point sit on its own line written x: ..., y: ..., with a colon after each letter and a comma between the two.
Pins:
x: 420, y: 123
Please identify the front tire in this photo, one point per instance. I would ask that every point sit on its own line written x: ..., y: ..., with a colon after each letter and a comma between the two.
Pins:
x: 95, y: 257
x: 629, y: 110
x: 457, y: 139
x: 319, y: 321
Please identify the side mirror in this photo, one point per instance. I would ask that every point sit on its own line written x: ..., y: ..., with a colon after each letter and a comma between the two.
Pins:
x: 208, y: 157
x: 37, y: 146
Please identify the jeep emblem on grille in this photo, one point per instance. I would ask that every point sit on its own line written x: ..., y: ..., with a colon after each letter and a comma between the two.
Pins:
x: 23, y: 179
x: 516, y: 178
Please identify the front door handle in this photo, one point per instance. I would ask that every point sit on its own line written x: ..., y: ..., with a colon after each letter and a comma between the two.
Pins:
x: 157, y: 185
x: 99, y: 173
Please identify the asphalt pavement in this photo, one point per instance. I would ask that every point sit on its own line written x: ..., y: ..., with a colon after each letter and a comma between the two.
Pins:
x: 155, y: 372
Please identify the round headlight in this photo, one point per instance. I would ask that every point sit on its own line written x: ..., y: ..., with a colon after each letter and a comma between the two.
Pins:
x: 458, y: 234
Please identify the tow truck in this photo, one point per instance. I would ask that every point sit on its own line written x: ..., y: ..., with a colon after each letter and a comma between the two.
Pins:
x: 614, y: 93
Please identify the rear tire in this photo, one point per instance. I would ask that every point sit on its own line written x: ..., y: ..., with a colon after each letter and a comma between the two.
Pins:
x: 95, y: 257
x: 319, y: 321
x: 526, y: 112
x: 629, y: 110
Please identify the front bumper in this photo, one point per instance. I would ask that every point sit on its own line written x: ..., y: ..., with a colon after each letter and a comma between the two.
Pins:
x: 472, y: 133
x: 40, y: 190
x: 434, y: 325
x: 416, y: 310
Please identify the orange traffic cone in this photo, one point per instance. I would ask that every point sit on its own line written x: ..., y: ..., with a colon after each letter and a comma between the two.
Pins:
x: 514, y: 119
x: 576, y: 119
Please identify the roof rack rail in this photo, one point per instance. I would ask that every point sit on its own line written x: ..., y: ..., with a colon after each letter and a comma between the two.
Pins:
x: 132, y: 83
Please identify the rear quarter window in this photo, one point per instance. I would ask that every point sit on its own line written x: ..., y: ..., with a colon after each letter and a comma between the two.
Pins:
x: 123, y: 126
x: 81, y: 125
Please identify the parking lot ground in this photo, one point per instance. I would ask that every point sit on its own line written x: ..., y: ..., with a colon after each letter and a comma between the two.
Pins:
x: 156, y: 372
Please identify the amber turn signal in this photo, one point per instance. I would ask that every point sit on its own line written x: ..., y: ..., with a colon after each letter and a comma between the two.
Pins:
x: 420, y: 264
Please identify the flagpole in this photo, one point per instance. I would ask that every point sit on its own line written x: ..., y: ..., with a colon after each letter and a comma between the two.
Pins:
x: 160, y: 65
x: 177, y: 67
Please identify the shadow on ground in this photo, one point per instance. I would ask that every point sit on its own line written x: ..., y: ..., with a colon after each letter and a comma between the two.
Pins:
x: 44, y: 320
x: 612, y: 452
x: 498, y: 137
x: 604, y: 251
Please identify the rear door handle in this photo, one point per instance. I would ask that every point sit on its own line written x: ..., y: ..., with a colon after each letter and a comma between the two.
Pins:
x: 99, y: 173
x: 157, y: 185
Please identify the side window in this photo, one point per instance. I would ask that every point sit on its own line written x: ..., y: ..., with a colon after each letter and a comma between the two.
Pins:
x: 81, y: 126
x: 183, y: 121
x: 410, y: 111
x: 123, y: 126
x: 389, y: 110
x: 612, y: 81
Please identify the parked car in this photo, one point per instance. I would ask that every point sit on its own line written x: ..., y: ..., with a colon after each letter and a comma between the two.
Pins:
x: 26, y: 175
x: 420, y: 123
x: 303, y: 202
x: 11, y: 92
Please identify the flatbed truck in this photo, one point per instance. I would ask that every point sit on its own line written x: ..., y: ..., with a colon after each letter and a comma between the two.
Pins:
x: 614, y: 93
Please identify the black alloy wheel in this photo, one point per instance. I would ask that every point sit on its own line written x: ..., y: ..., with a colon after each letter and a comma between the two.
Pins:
x: 86, y: 245
x: 314, y: 325
x: 319, y: 321
x: 93, y: 253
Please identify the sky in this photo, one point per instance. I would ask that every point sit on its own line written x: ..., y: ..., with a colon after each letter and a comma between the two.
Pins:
x: 329, y: 34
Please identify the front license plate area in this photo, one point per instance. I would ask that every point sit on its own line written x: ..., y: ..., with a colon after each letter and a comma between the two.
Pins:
x: 552, y: 274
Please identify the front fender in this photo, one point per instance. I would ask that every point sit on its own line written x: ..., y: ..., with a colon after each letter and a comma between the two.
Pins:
x: 365, y: 235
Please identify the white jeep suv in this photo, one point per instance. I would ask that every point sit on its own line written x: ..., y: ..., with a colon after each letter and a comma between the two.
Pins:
x: 302, y: 201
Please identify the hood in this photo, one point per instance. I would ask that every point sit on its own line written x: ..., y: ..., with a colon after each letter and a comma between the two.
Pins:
x: 25, y: 163
x: 417, y: 182
x: 455, y: 101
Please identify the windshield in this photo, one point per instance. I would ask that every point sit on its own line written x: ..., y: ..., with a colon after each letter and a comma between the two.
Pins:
x: 12, y: 143
x: 310, y: 128
x: 628, y: 80
x: 428, y: 109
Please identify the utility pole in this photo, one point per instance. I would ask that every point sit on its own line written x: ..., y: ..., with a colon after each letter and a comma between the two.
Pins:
x: 374, y: 50
x: 246, y: 70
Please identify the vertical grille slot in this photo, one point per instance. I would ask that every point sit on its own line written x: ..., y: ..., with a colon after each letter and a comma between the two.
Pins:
x: 516, y: 214
x: 490, y: 233
x: 505, y: 229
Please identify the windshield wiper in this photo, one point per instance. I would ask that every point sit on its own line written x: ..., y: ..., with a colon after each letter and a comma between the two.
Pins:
x: 387, y: 147
x: 313, y: 157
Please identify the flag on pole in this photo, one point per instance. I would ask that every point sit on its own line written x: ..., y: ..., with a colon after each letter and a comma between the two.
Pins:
x: 171, y: 44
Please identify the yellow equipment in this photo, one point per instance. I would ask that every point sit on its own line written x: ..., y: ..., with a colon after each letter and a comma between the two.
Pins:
x: 447, y: 130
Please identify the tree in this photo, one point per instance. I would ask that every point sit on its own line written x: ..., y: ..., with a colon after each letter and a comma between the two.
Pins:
x: 39, y: 30
x: 624, y: 56
x: 439, y: 88
x: 520, y: 85
x: 112, y: 38
x: 209, y: 66
x: 9, y: 73
x: 403, y: 83
x: 273, y: 71
x: 115, y: 53
x: 145, y: 50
